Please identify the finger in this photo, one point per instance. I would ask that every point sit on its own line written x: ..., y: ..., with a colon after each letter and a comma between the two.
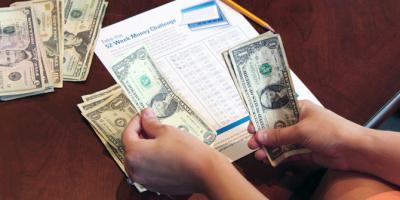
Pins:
x: 131, y: 132
x: 260, y: 154
x: 302, y: 108
x: 251, y: 128
x: 150, y: 123
x: 306, y: 107
x: 302, y: 157
x: 280, y: 136
x: 301, y: 104
x: 253, y: 144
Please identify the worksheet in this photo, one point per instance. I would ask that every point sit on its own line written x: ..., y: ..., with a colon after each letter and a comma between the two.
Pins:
x: 191, y: 61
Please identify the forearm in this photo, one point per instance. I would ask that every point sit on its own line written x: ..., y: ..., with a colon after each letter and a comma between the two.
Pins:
x: 378, y: 153
x: 222, y: 181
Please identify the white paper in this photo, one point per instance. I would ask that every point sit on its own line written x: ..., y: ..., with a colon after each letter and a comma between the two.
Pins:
x: 192, y: 62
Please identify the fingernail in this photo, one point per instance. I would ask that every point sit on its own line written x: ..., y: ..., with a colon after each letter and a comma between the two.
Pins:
x: 261, y: 137
x: 148, y: 113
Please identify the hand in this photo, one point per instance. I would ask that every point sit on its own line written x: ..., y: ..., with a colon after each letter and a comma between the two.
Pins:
x: 168, y: 161
x: 325, y: 133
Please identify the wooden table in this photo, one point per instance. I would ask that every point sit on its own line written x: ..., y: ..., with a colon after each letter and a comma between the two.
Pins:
x: 346, y: 52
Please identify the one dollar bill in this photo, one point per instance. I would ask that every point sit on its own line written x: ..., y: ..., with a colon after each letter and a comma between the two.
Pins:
x: 110, y: 117
x: 263, y: 78
x: 146, y: 87
x: 109, y: 114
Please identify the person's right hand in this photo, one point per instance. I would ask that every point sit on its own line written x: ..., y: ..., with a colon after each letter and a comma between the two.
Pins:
x: 330, y: 137
x: 167, y: 160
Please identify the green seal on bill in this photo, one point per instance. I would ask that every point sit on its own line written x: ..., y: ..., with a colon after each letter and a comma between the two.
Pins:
x: 265, y: 69
x: 145, y: 81
x: 9, y: 30
x: 209, y: 137
x: 76, y: 14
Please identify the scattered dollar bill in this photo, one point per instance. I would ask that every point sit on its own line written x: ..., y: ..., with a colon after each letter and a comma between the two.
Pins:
x: 82, y: 23
x: 101, y: 93
x: 21, y: 71
x: 260, y: 71
x: 146, y: 87
x: 32, y: 44
x: 111, y: 117
x: 109, y: 111
x: 89, y: 60
x: 49, y: 23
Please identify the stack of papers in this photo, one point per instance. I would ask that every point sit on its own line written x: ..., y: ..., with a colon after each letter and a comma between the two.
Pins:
x: 201, y: 14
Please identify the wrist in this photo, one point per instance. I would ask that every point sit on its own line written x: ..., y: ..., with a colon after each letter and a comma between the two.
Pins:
x: 359, y: 150
x: 203, y: 165
x: 212, y: 171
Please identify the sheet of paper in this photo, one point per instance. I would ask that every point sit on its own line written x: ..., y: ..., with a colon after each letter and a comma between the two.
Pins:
x: 192, y: 62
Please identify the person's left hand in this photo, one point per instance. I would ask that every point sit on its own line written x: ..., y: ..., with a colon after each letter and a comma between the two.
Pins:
x: 168, y: 161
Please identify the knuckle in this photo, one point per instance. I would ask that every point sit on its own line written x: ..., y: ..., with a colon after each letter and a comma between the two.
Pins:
x: 299, y: 130
x: 304, y: 105
x: 275, y: 135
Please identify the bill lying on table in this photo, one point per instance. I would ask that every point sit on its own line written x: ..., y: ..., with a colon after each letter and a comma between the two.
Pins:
x: 40, y: 48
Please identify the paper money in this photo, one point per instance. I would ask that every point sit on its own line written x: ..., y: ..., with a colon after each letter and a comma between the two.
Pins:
x: 82, y: 23
x: 97, y: 110
x: 111, y: 117
x: 91, y: 104
x: 89, y: 59
x: 101, y: 93
x: 146, y: 87
x: 260, y: 71
x: 20, y: 56
x: 49, y: 21
x: 32, y: 52
x: 47, y: 79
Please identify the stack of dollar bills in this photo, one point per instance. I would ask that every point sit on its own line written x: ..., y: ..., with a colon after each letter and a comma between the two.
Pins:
x: 260, y: 72
x: 46, y: 42
x: 109, y: 112
x: 142, y: 85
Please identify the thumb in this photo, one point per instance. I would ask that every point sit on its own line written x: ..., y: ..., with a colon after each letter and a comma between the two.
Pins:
x: 150, y: 123
x: 131, y: 133
x: 280, y: 136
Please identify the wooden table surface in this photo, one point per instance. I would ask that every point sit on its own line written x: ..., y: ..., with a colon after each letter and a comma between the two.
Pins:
x: 346, y: 52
